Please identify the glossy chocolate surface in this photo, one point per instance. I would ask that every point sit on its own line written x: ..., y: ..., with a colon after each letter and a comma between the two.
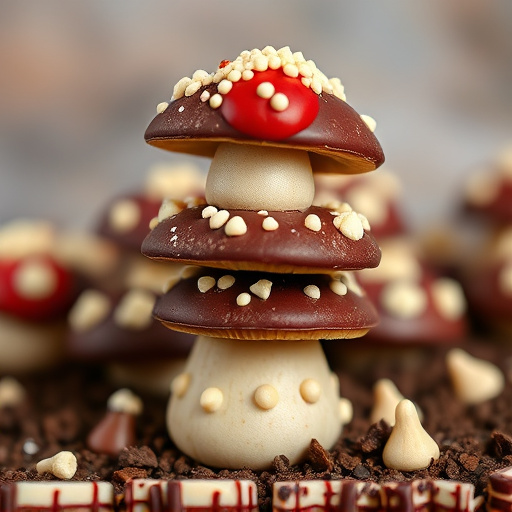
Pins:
x: 288, y: 313
x: 338, y: 139
x: 187, y: 238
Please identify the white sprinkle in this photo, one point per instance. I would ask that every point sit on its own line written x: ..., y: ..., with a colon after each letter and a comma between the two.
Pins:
x: 369, y: 121
x: 216, y: 101
x: 236, y: 226
x: 350, y: 225
x: 269, y: 224
x: 225, y: 282
x: 312, y: 291
x: 313, y: 222
x: 205, y: 283
x: 208, y: 212
x: 265, y: 90
x: 247, y: 75
x: 279, y: 102
x: 205, y: 96
x: 243, y: 299
x: 224, y: 86
x: 262, y: 288
x: 219, y: 219
x: 181, y: 109
x: 162, y: 107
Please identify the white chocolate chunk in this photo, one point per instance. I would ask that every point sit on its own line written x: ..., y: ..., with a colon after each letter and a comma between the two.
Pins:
x: 364, y: 222
x: 215, y: 101
x: 205, y: 96
x: 310, y: 390
x: 409, y: 446
x: 312, y: 291
x: 219, y: 219
x: 180, y: 384
x: 209, y: 212
x: 350, y: 225
x: 313, y: 222
x: 91, y: 308
x: 265, y: 90
x: 266, y: 397
x: 243, y: 299
x: 205, y: 283
x: 124, y: 400
x: 474, y: 380
x: 225, y: 282
x: 153, y: 223
x: 262, y: 288
x: 34, y: 279
x: 225, y: 86
x: 235, y: 226
x: 63, y: 465
x: 385, y: 399
x: 12, y: 393
x: 124, y: 216
x: 279, y: 102
x: 135, y: 310
x: 167, y: 209
x: 338, y: 287
x: 162, y: 107
x: 269, y: 224
x: 264, y: 213
x: 404, y: 299
x: 211, y: 399
x: 449, y: 298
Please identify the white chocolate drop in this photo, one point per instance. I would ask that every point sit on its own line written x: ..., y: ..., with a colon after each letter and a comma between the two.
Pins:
x: 266, y: 397
x: 211, y: 399
x: 474, y: 380
x: 310, y: 390
x: 205, y: 283
x: 409, y: 446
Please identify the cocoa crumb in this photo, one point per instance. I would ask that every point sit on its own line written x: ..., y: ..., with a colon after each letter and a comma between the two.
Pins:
x: 318, y: 457
x: 125, y: 474
x: 143, y: 457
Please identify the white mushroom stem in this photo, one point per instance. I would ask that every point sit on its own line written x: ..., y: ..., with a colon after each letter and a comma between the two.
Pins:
x: 251, y: 177
x: 243, y: 403
x: 62, y: 465
x: 409, y: 446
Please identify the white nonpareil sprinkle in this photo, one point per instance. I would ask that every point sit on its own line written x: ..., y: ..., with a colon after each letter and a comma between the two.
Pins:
x: 269, y: 224
x: 369, y: 121
x: 208, y: 212
x: 181, y: 109
x: 219, y: 219
x: 225, y: 282
x: 404, y: 299
x: 215, y: 101
x: 262, y: 288
x: 236, y: 226
x: 350, y: 225
x: 243, y: 299
x: 91, y: 308
x: 162, y: 107
x: 279, y: 102
x: 313, y: 222
x: 312, y: 291
x: 265, y: 90
x: 124, y: 400
x: 205, y: 283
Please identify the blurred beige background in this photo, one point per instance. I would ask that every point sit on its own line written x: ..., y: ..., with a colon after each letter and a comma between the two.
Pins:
x: 80, y: 81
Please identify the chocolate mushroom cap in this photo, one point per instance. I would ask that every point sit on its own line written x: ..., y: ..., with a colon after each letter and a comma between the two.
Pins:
x: 338, y: 140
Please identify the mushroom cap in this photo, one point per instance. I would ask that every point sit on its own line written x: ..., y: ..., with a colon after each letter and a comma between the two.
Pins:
x: 279, y: 306
x: 315, y: 119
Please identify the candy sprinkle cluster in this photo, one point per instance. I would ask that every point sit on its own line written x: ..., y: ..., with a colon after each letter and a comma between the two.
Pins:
x: 243, y: 67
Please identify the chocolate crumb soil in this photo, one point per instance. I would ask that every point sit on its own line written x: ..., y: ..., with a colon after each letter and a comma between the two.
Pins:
x: 64, y: 405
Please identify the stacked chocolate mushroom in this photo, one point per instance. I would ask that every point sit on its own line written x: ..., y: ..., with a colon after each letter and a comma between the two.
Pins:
x: 270, y: 273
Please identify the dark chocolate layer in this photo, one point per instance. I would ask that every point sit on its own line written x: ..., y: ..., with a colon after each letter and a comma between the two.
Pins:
x: 287, y: 313
x: 187, y: 238
x: 338, y: 139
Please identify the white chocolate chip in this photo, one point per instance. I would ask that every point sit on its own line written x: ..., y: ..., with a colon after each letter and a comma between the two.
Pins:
x: 34, y: 279
x: 350, y: 281
x: 247, y: 74
x: 449, y: 298
x: 209, y: 212
x: 310, y: 390
x: 474, y: 380
x: 162, y: 107
x: 261, y: 63
x: 338, y: 287
x: 225, y: 282
x: 409, y: 446
x: 135, y: 310
x: 313, y: 222
x: 91, y: 308
x: 124, y: 216
x: 215, y: 101
x: 385, y: 399
x: 12, y: 393
x: 270, y: 224
x: 266, y: 397
x: 124, y: 400
x: 279, y: 102
x: 211, y: 399
x: 291, y: 70
x: 243, y: 299
x: 262, y: 288
x: 350, y: 225
x: 265, y: 90
x: 219, y: 219
x: 225, y: 86
x: 369, y: 121
x: 63, y: 465
x: 236, y: 226
x: 311, y: 290
x: 205, y: 96
x: 404, y: 299
x: 180, y: 384
x: 205, y: 283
